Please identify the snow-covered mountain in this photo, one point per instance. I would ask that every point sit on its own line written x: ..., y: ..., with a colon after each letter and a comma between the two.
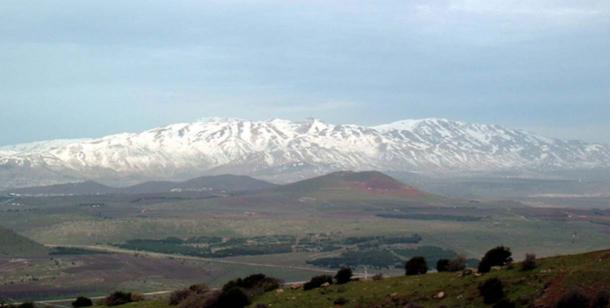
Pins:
x: 284, y: 150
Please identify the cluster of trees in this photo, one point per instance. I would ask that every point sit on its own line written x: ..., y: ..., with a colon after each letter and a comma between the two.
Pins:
x: 235, y: 293
x: 82, y: 301
x: 121, y: 298
x: 498, y: 256
x: 215, y: 249
x: 454, y: 265
x: 378, y: 258
x: 388, y: 240
x: 343, y: 276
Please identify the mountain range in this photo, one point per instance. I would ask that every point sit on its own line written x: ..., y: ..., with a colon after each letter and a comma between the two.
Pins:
x: 283, y: 151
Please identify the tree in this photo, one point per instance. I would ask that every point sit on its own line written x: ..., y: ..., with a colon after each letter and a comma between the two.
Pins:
x: 442, y: 265
x: 233, y: 298
x: 498, y: 256
x: 179, y: 296
x: 416, y: 266
x: 344, y: 275
x: 492, y: 290
x: 254, y: 284
x: 529, y: 263
x: 457, y: 264
x: 118, y: 298
x: 317, y: 282
x: 82, y: 301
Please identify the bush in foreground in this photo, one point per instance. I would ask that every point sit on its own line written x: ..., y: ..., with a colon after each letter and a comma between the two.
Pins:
x: 416, y: 266
x: 179, y: 296
x: 118, y: 298
x: 317, y: 282
x: 601, y: 300
x: 344, y: 275
x: 208, y: 299
x: 492, y: 290
x: 254, y: 284
x: 82, y: 301
x: 498, y: 256
x: 529, y: 263
x: 234, y: 298
x: 236, y: 293
x: 341, y: 301
x: 442, y: 265
x: 573, y: 299
x: 457, y: 264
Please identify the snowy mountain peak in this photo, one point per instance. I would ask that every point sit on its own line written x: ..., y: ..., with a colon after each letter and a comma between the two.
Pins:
x: 411, y: 124
x: 284, y: 150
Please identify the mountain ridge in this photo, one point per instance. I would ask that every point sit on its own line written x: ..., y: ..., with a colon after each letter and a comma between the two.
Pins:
x: 225, y: 183
x: 283, y: 151
x: 16, y: 245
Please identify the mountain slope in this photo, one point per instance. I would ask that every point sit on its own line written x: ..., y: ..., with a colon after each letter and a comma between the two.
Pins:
x: 218, y: 183
x: 213, y: 184
x: 79, y: 188
x: 367, y: 182
x: 283, y: 151
x: 342, y: 190
x: 15, y: 245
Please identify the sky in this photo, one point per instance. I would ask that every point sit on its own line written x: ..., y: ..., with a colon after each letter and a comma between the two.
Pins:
x: 73, y: 68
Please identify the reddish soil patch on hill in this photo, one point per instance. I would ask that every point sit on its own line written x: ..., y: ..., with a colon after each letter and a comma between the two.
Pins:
x: 386, y: 185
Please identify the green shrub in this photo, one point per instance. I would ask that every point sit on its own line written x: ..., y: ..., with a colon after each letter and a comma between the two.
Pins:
x: 416, y: 266
x: 233, y: 298
x: 529, y: 263
x: 317, y: 281
x: 254, y: 285
x: 341, y: 301
x: 498, y: 256
x: 82, y: 302
x: 442, y: 265
x: 344, y: 275
x: 118, y: 298
x: 492, y: 290
x: 457, y: 264
x: 179, y: 296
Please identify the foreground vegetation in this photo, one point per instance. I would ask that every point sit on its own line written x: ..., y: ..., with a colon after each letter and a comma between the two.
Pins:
x: 581, y: 280
x: 543, y: 284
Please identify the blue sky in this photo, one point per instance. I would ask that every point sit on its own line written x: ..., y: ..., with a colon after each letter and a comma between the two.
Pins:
x: 89, y: 68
